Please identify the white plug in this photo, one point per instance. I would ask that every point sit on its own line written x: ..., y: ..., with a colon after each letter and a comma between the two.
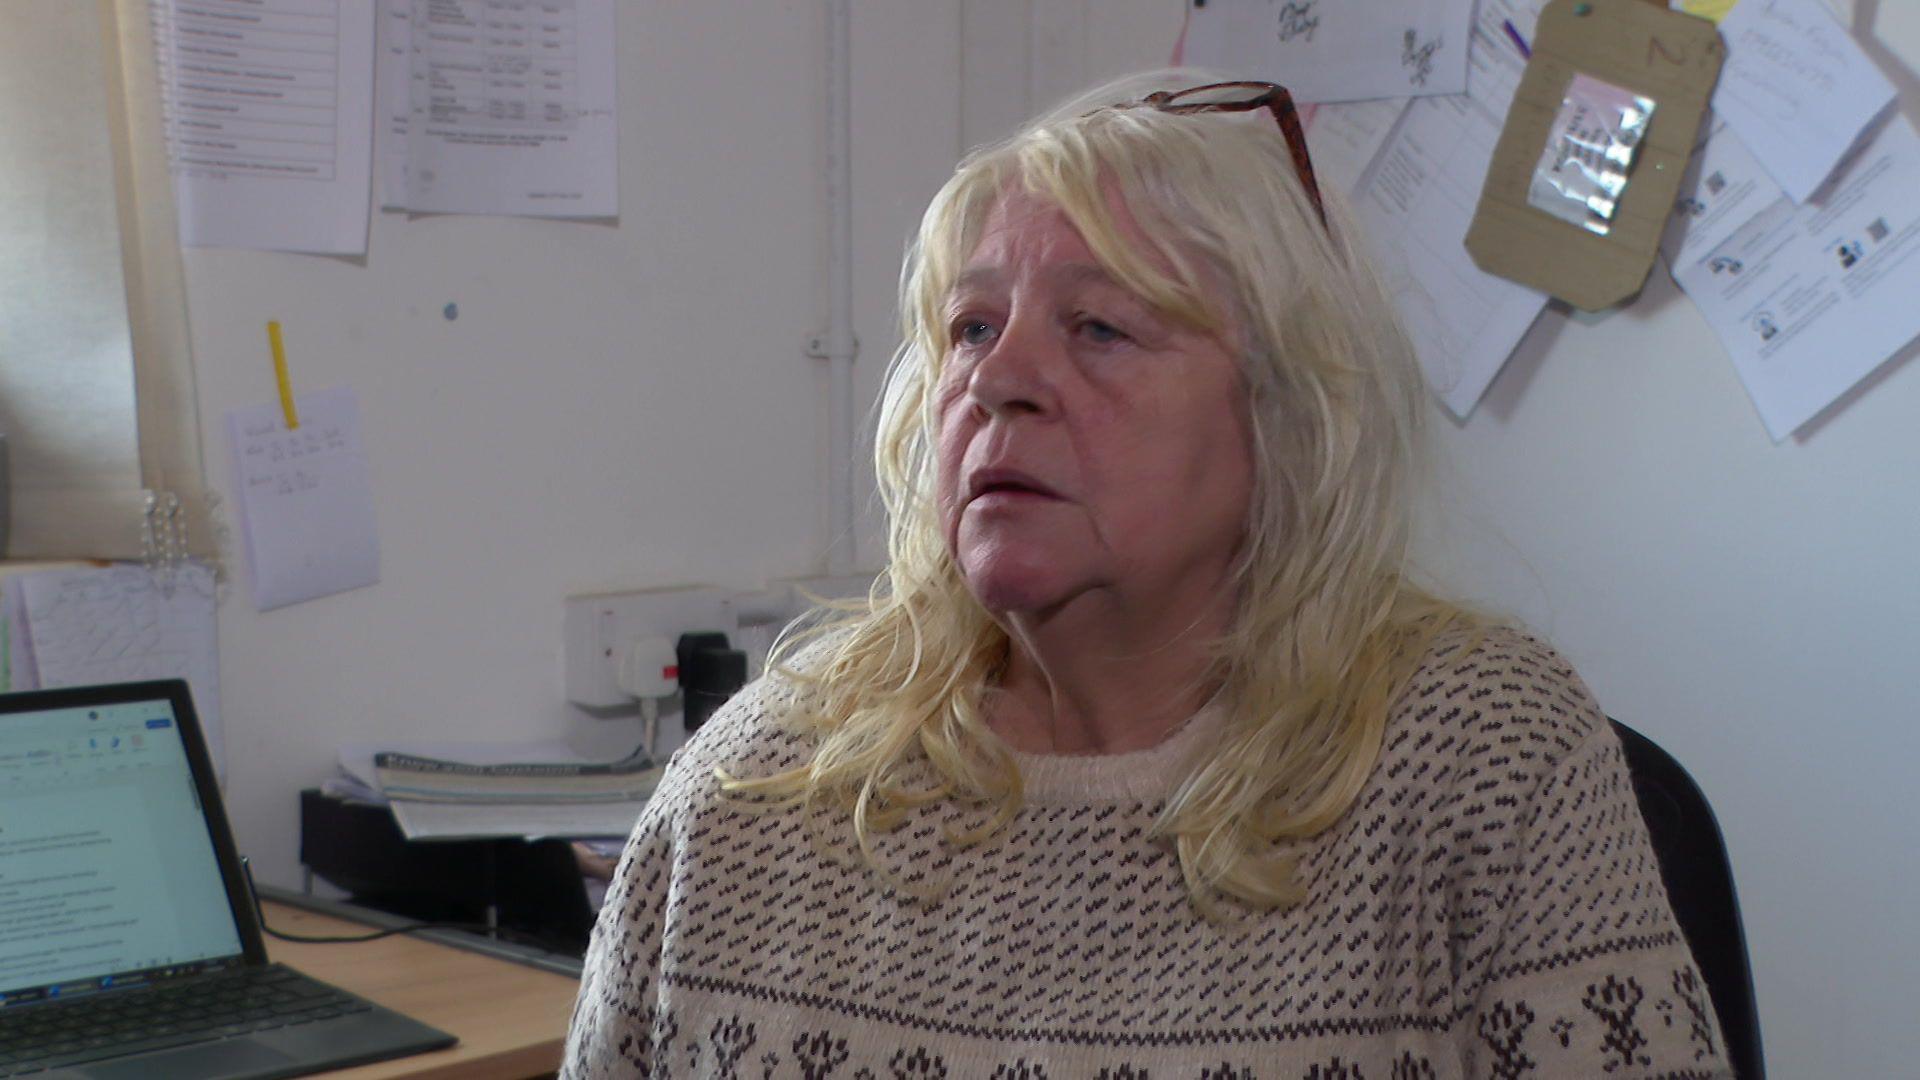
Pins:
x: 649, y: 669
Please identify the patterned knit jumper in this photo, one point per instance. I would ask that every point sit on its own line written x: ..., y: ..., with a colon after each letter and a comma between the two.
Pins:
x: 1489, y: 906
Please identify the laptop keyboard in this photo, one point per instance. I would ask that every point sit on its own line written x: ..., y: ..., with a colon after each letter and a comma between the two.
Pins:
x: 217, y: 1006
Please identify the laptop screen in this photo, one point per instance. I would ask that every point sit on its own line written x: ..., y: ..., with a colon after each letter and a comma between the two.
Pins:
x: 108, y: 874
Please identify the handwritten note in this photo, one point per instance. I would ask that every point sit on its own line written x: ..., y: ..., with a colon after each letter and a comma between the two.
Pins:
x: 1337, y: 50
x: 119, y: 624
x: 305, y: 499
x: 1796, y: 89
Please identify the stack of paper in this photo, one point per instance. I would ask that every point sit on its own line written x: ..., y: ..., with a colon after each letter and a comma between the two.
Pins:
x: 449, y: 790
x: 428, y: 779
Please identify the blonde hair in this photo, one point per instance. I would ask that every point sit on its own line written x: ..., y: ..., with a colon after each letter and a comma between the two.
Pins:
x: 1327, y: 628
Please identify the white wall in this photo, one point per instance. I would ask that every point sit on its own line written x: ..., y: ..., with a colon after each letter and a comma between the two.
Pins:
x: 615, y: 407
x: 1755, y: 608
x: 623, y: 407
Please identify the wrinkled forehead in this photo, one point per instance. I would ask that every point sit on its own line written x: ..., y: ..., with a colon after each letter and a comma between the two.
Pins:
x: 1027, y: 234
x: 1089, y: 232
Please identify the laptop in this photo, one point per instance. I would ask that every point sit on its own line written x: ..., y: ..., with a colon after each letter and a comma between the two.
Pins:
x: 130, y: 944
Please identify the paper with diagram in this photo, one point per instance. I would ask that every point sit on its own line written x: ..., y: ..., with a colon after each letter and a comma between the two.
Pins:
x: 1807, y: 299
x: 1723, y: 188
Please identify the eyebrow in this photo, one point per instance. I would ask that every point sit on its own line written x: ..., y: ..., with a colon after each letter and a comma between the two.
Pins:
x: 1070, y: 274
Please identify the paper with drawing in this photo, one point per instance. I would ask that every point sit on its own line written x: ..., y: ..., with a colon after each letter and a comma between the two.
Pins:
x: 1329, y: 50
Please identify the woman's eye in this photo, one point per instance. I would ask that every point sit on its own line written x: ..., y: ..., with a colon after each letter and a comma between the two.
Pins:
x: 1101, y: 332
x: 972, y: 332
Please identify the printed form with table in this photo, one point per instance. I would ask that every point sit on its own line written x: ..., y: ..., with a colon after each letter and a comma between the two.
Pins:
x: 1500, y: 155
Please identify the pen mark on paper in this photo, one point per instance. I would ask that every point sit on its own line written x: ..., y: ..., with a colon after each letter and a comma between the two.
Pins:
x: 1417, y: 58
x: 1788, y: 60
x: 1297, y: 20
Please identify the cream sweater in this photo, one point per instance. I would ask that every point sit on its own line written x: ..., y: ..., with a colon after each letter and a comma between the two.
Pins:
x: 1488, y: 907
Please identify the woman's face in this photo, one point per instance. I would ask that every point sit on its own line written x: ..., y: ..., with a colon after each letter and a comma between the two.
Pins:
x: 1087, y: 444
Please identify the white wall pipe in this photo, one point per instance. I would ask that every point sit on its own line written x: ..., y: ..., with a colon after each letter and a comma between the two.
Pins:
x: 840, y: 347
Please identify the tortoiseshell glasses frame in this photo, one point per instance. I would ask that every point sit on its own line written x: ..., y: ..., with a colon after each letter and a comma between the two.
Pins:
x: 1247, y: 97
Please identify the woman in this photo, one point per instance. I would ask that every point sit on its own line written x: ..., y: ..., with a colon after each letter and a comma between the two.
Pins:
x: 1146, y: 759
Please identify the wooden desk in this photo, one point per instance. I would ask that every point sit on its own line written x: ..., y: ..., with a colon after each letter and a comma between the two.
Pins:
x: 511, y: 1019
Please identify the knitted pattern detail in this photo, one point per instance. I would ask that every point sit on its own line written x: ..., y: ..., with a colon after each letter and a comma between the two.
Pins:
x: 1489, y: 906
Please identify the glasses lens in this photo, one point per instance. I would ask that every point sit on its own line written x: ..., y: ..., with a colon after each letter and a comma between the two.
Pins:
x: 1222, y: 94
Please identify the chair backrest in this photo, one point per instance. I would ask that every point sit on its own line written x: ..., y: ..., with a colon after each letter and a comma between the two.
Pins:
x: 1693, y: 861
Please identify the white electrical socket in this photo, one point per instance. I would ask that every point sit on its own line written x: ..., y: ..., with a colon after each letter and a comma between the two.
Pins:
x: 600, y: 626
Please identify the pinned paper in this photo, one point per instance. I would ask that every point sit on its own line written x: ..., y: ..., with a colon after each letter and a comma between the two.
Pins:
x: 509, y: 109
x: 305, y: 499
x: 118, y: 624
x: 267, y: 108
x: 1724, y: 188
x: 1807, y: 300
x: 1337, y: 50
x: 1663, y: 61
x: 1344, y: 138
x: 1797, y: 89
x: 1414, y: 202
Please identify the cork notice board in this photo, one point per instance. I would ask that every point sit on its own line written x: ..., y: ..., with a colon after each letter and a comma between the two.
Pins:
x: 1667, y: 56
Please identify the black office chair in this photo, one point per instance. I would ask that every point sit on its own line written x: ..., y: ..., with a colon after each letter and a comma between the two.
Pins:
x: 1693, y: 861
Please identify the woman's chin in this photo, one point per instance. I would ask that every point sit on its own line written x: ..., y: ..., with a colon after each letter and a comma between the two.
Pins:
x: 1012, y: 590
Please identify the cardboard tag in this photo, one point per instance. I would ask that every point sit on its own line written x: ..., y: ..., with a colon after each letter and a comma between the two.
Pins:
x: 1666, y: 56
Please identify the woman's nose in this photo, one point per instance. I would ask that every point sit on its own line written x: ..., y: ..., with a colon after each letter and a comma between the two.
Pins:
x: 1019, y: 374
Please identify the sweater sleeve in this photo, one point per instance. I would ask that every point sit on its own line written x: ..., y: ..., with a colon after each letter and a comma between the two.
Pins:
x: 614, y: 1026
x: 622, y: 1022
x: 1571, y: 959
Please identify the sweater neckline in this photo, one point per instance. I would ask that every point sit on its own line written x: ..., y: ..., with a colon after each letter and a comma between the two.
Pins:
x: 1145, y: 775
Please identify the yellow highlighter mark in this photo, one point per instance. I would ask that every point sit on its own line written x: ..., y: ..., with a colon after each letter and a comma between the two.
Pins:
x: 280, y: 374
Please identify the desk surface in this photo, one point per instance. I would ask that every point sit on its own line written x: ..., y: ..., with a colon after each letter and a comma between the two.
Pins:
x: 511, y: 1019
